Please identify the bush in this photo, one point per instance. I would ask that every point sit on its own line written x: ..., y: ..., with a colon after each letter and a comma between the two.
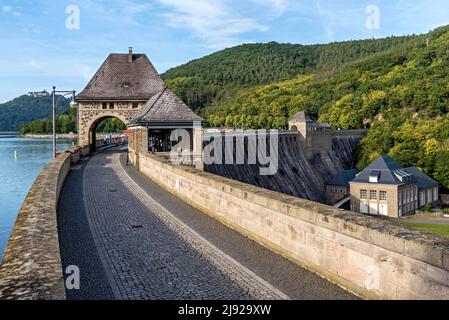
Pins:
x: 427, y: 208
x: 446, y: 210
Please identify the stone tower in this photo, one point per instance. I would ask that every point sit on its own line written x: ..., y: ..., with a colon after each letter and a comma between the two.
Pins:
x: 303, y: 124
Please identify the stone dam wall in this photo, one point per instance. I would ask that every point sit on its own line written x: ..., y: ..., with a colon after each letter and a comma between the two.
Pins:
x: 300, y: 174
x: 31, y: 268
x: 373, y: 258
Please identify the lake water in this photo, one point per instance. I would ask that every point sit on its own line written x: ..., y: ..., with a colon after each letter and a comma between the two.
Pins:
x: 17, y: 174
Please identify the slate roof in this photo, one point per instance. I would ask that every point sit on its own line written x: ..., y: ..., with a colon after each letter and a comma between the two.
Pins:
x: 343, y: 178
x: 423, y: 180
x: 387, y: 171
x: 108, y: 83
x: 384, y: 168
x: 165, y: 106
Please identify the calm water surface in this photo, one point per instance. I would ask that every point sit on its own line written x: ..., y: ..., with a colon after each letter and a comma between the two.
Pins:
x: 17, y: 174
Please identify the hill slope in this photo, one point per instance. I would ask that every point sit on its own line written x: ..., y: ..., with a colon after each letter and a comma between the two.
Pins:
x: 200, y: 81
x: 400, y: 90
x: 24, y: 109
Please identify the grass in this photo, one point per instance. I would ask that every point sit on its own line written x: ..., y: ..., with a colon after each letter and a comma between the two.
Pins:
x: 440, y: 229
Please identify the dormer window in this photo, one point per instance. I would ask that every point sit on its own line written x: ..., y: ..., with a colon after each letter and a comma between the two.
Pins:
x: 374, y: 176
x: 126, y: 84
x: 404, y: 176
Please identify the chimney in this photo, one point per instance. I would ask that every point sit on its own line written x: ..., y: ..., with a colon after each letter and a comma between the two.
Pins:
x: 130, y: 55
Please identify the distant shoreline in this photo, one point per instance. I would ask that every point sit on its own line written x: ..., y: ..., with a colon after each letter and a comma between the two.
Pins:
x: 68, y: 136
x: 46, y: 136
x: 8, y: 133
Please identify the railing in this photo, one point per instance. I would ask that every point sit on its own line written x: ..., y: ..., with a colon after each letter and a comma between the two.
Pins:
x: 117, y: 141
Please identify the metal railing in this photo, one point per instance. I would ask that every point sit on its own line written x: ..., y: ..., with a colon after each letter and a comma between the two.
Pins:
x: 116, y: 141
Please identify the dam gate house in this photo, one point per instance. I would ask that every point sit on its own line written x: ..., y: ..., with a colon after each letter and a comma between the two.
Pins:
x: 128, y: 87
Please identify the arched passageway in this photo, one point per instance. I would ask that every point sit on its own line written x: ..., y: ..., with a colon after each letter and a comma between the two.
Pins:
x: 104, y: 130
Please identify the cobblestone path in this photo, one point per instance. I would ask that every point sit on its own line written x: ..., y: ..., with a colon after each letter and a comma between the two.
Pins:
x: 132, y: 240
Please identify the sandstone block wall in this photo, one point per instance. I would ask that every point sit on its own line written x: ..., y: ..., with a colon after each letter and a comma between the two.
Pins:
x: 373, y: 258
x: 31, y: 268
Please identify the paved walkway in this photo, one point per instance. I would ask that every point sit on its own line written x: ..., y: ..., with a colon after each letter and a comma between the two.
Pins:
x: 428, y: 220
x: 133, y: 240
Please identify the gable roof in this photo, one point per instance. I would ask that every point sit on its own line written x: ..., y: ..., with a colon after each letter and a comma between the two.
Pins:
x: 165, y: 106
x: 108, y: 83
x: 383, y: 168
x: 342, y: 178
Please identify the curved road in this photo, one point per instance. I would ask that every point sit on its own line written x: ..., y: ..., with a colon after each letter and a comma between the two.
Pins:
x: 133, y: 240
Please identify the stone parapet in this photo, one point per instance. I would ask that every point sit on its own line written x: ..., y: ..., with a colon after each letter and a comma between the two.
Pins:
x: 31, y: 268
x: 374, y: 258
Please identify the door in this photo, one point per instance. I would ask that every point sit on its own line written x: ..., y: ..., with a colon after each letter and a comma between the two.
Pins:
x: 373, y: 208
x: 363, y: 207
x: 383, y: 209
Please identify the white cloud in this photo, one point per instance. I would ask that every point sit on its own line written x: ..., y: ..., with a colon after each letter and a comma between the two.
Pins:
x: 212, y: 21
x: 6, y: 8
x: 10, y: 10
x: 128, y: 11
x: 35, y: 64
x: 279, y: 5
x: 327, y: 17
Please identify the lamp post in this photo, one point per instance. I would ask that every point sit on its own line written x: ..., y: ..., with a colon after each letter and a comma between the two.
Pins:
x: 73, y: 104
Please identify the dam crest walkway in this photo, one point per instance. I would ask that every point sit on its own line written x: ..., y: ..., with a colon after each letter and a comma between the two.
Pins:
x: 131, y: 239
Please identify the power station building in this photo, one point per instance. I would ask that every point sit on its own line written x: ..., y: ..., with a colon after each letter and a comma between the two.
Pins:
x: 385, y: 188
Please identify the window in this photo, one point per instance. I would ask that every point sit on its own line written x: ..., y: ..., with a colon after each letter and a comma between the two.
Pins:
x: 126, y: 84
x: 435, y: 194
x: 111, y: 105
x: 373, y: 195
x: 374, y: 176
x: 383, y: 195
x: 363, y: 194
x: 135, y: 105
x: 105, y: 105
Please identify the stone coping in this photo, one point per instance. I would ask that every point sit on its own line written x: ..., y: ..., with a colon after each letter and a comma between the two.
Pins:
x: 31, y: 268
x: 422, y: 246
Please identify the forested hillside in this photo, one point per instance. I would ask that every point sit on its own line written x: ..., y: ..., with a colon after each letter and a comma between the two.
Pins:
x: 200, y: 81
x: 22, y: 110
x: 398, y: 87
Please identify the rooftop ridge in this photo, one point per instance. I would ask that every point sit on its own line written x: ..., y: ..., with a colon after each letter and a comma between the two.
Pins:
x: 107, y: 82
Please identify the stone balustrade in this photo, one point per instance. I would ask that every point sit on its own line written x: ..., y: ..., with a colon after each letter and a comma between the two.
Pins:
x: 373, y: 258
x: 31, y: 268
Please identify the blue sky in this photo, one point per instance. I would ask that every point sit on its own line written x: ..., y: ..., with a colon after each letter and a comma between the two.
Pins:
x: 39, y: 50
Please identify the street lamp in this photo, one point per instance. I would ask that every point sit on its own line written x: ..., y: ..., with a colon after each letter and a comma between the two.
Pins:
x: 73, y: 104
